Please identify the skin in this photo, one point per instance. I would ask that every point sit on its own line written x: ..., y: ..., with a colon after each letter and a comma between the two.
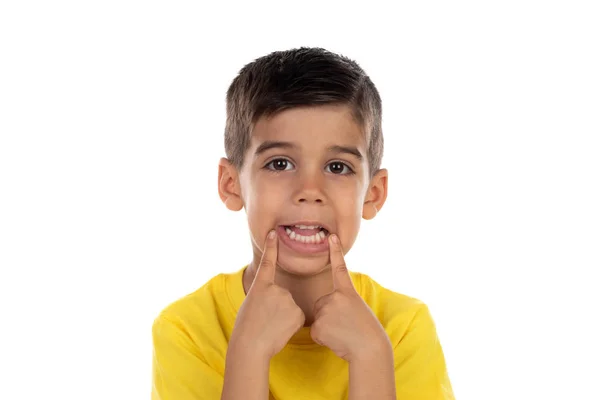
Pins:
x: 313, y: 185
x: 343, y: 322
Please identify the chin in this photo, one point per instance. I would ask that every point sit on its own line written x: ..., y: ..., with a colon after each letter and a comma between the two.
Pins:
x: 303, y: 265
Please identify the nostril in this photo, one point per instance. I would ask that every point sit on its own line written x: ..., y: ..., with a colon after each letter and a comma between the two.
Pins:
x: 315, y: 200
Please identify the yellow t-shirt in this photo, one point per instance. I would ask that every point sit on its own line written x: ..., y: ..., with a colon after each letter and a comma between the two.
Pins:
x: 190, y: 338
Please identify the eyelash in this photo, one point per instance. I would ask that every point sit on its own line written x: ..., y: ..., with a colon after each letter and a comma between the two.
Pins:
x: 350, y: 170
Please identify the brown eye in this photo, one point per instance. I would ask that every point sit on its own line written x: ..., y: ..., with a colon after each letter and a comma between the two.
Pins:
x: 278, y: 164
x: 337, y: 167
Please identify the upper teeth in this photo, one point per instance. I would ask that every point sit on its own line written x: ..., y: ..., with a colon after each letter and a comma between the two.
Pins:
x: 307, y: 226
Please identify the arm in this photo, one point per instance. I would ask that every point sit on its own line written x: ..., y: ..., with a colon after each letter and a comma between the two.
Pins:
x: 179, y: 372
x: 419, y: 362
x: 246, y: 374
x: 372, y: 375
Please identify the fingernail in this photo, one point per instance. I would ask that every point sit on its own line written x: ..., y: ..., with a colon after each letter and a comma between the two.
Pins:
x: 335, y: 239
x: 271, y: 235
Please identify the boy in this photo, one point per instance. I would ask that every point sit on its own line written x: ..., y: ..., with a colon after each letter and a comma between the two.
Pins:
x: 304, y: 146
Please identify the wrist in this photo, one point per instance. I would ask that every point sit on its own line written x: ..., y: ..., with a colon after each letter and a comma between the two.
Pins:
x: 246, y: 372
x: 380, y: 351
x: 248, y: 349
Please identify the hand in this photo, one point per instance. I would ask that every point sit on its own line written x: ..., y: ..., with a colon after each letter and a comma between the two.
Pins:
x: 343, y: 321
x: 268, y: 317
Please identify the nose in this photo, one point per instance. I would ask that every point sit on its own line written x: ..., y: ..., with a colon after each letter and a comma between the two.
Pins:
x: 310, y: 189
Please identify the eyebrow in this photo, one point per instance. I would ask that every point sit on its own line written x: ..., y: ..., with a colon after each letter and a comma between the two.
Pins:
x: 270, y: 144
x: 347, y: 150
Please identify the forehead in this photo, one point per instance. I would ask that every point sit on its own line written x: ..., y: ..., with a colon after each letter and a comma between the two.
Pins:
x: 311, y: 128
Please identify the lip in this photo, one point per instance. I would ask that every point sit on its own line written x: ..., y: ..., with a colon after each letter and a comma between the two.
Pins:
x: 299, y: 247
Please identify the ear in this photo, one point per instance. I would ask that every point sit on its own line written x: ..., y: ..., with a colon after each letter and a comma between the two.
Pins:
x: 229, y: 185
x: 376, y: 194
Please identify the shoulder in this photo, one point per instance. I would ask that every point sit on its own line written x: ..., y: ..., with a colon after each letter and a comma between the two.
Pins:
x: 397, y: 312
x: 192, y: 312
x: 382, y: 298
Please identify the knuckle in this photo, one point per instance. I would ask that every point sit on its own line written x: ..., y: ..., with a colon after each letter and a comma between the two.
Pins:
x: 282, y: 293
x: 279, y: 290
x: 341, y: 267
x: 274, y: 291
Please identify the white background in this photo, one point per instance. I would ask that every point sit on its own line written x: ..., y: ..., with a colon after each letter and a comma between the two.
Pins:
x: 111, y: 122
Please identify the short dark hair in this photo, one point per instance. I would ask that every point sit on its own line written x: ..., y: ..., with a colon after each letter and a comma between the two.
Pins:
x: 300, y: 77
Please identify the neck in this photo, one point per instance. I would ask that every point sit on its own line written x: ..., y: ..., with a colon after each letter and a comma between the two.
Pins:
x: 305, y: 290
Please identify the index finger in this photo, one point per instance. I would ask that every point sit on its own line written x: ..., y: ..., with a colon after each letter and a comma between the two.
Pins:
x: 341, y: 275
x: 267, y: 266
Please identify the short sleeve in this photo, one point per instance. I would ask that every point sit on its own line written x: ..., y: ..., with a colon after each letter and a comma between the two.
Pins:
x: 178, y: 371
x: 420, y: 366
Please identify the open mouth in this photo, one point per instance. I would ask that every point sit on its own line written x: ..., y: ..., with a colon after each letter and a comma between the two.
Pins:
x: 306, y: 237
x: 308, y: 234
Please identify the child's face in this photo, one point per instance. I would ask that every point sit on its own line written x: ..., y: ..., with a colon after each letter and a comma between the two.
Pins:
x: 308, y: 175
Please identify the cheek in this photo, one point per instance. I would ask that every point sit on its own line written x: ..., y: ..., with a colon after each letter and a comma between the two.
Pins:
x: 263, y: 201
x: 349, y: 215
x: 352, y: 200
x: 350, y: 210
x: 267, y: 193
